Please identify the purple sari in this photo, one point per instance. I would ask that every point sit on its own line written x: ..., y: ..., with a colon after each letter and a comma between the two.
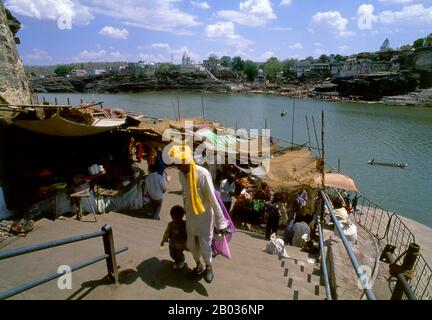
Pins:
x: 216, y: 245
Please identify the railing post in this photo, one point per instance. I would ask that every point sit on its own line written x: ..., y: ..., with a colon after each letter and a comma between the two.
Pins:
x: 108, y: 241
x: 407, y: 264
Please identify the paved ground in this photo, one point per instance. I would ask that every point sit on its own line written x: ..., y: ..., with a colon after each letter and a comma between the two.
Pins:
x: 145, y: 269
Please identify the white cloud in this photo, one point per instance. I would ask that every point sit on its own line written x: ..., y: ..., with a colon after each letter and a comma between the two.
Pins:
x: 252, y: 13
x: 365, y: 17
x: 165, y: 46
x: 343, y: 48
x: 37, y: 56
x: 225, y: 31
x: 413, y: 14
x: 296, y: 46
x: 396, y: 1
x: 100, y: 56
x: 319, y: 51
x: 317, y: 44
x: 285, y: 2
x: 332, y: 22
x: 281, y: 28
x: 115, y: 33
x: 51, y: 10
x: 159, y: 15
x: 267, y: 55
x: 201, y: 5
x: 151, y: 58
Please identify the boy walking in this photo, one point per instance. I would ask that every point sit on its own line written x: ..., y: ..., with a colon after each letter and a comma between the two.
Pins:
x: 175, y: 234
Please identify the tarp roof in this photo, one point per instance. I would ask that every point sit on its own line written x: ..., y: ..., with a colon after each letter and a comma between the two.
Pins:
x: 59, y: 126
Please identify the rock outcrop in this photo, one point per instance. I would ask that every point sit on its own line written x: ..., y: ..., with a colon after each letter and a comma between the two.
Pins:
x: 373, y: 87
x: 14, y: 87
x: 130, y: 83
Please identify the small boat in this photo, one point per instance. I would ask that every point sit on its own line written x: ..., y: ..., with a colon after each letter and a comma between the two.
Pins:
x: 388, y: 164
x: 284, y: 113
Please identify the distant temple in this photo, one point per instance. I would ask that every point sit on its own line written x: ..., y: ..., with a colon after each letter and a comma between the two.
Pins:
x: 385, y: 46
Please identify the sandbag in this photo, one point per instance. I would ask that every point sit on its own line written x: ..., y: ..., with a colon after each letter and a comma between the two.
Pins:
x: 276, y: 246
x: 349, y: 229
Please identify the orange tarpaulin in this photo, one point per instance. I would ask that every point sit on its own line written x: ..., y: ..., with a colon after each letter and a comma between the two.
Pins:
x: 334, y: 180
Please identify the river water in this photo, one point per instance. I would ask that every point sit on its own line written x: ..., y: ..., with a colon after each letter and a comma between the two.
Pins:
x: 354, y: 133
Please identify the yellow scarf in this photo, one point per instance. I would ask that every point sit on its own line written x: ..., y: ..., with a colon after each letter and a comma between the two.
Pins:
x: 184, y: 154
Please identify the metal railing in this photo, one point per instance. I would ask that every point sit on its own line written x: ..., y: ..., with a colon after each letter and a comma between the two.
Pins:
x: 110, y: 256
x: 361, y: 276
x: 323, y: 259
x: 389, y: 229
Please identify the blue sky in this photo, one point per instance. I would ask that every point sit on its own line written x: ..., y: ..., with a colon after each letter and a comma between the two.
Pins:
x: 64, y: 31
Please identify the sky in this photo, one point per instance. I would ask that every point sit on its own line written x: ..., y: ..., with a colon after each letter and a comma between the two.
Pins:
x: 68, y: 31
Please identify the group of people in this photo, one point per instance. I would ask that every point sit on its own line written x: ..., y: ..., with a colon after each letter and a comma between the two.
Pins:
x: 201, y: 208
x: 193, y: 224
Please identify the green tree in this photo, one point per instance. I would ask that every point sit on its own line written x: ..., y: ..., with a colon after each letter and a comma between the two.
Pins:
x: 63, y: 70
x: 323, y: 58
x: 237, y: 63
x: 339, y: 58
x: 225, y: 61
x: 405, y: 47
x: 418, y: 43
x: 250, y: 69
x: 287, y: 65
x: 272, y: 67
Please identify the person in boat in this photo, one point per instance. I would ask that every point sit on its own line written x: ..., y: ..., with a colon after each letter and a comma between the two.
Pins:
x: 283, y: 113
x: 203, y: 212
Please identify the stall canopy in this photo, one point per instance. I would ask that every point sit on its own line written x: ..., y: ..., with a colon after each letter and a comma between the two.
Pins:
x: 291, y: 170
x: 59, y: 126
x: 295, y: 170
x: 334, y: 180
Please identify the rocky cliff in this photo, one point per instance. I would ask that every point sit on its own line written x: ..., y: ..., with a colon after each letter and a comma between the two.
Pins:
x: 130, y: 83
x: 373, y: 87
x: 14, y: 88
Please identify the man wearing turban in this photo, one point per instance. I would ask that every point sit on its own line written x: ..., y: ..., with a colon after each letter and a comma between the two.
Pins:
x: 203, y: 212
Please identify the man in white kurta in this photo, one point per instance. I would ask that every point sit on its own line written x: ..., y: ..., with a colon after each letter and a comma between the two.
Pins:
x: 200, y: 227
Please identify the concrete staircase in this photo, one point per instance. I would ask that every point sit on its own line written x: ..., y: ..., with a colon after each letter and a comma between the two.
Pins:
x: 303, y: 276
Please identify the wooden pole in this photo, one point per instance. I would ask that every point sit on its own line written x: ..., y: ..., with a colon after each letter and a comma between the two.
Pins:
x: 322, y: 148
x: 43, y: 100
x: 316, y: 136
x: 68, y: 101
x: 307, y: 125
x: 178, y: 108
x: 292, y: 126
x: 55, y: 101
x: 81, y: 101
x: 202, y: 107
x: 338, y: 166
x: 265, y: 123
x: 174, y: 110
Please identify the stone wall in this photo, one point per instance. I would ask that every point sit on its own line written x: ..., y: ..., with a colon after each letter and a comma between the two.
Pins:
x: 14, y: 88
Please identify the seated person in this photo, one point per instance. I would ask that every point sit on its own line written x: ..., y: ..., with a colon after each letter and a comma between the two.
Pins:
x: 301, y: 230
x: 339, y: 210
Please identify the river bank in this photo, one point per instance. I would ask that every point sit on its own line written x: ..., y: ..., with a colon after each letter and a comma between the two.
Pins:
x: 345, y: 91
